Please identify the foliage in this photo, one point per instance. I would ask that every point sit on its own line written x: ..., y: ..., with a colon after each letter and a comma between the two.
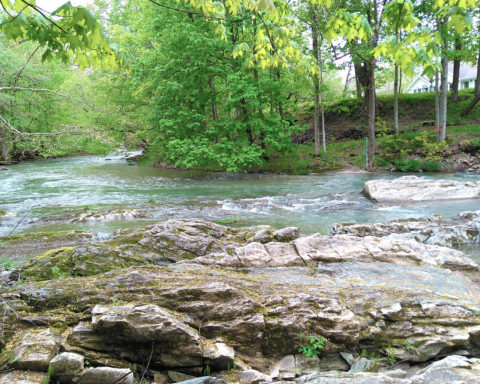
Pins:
x: 67, y: 34
x: 410, y: 165
x: 390, y: 352
x: 313, y: 346
x: 227, y: 220
x: 44, y: 119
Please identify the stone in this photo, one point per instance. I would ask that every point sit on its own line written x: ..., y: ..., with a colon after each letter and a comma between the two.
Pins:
x: 358, y: 292
x: 347, y: 248
x: 66, y: 366
x: 350, y: 378
x: 35, y: 350
x: 267, y: 255
x: 203, y: 380
x: 463, y: 231
x: 449, y: 362
x: 219, y: 356
x: 413, y: 188
x: 328, y: 362
x: 397, y: 373
x: 174, y: 343
x: 160, y: 378
x: 178, y: 377
x: 364, y: 365
x: 287, y: 234
x: 284, y: 367
x: 23, y: 377
x: 113, y: 215
x: 452, y: 369
x: 106, y: 375
x: 348, y: 357
x: 250, y: 376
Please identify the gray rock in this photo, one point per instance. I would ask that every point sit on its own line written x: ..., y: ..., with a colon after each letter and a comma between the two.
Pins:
x: 106, y: 375
x: 66, y: 366
x: 23, y: 377
x: 251, y: 376
x: 113, y: 215
x: 434, y: 231
x: 35, y: 350
x: 219, y: 356
x: 364, y: 365
x: 287, y: 234
x: 175, y: 344
x: 348, y: 357
x: 178, y: 377
x: 413, y: 188
x: 160, y: 378
x: 452, y: 369
x: 203, y: 380
x: 346, y: 248
x: 350, y: 378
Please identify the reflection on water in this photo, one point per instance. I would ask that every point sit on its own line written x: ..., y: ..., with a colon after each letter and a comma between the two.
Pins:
x: 61, y: 186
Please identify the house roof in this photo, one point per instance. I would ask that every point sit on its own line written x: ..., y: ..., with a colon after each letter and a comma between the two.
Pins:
x: 467, y: 71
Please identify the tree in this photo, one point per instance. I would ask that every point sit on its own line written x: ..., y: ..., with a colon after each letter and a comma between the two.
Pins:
x: 69, y: 34
x: 367, y: 21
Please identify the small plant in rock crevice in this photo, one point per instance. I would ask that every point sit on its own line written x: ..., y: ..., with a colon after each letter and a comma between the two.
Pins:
x: 313, y: 346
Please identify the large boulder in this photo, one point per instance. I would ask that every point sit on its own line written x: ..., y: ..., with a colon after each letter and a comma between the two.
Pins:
x: 462, y: 231
x: 34, y: 349
x: 106, y: 375
x: 23, y: 377
x: 452, y: 369
x: 413, y: 188
x: 65, y: 366
x: 347, y: 248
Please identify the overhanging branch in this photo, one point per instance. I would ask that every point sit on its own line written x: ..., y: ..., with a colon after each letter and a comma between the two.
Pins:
x: 15, y: 89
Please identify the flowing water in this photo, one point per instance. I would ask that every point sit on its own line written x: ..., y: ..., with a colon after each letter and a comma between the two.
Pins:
x: 37, y: 195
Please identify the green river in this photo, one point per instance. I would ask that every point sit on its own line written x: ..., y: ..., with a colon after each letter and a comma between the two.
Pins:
x: 40, y: 196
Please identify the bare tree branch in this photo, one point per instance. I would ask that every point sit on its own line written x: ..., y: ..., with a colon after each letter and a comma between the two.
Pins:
x: 15, y: 89
x: 24, y: 66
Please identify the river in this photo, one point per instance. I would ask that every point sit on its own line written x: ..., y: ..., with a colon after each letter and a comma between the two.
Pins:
x: 37, y: 195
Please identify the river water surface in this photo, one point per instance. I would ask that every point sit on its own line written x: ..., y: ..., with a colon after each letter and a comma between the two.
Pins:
x: 33, y: 192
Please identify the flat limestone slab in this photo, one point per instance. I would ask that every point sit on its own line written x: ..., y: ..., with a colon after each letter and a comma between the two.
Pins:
x: 413, y: 188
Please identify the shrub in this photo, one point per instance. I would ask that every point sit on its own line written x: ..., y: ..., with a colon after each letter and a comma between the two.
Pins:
x: 431, y: 166
x: 313, y: 346
x: 410, y: 165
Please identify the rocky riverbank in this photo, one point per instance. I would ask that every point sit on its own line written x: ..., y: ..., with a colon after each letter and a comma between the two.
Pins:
x: 188, y: 298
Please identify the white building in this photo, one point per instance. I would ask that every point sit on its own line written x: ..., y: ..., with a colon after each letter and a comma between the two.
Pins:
x: 468, y: 75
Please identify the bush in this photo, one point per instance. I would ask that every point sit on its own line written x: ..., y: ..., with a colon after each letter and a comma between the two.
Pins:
x: 431, y: 166
x: 410, y: 165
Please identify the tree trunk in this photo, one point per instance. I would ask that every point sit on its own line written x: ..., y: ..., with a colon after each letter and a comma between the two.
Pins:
x: 371, y: 116
x: 400, y: 81
x: 363, y: 73
x: 467, y: 110
x: 324, y: 141
x: 316, y: 84
x: 444, y: 96
x: 437, y: 106
x: 456, y: 71
x: 3, y: 144
x: 395, y: 100
x: 477, y: 80
x: 347, y: 80
x: 214, y: 104
x: 358, y: 87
